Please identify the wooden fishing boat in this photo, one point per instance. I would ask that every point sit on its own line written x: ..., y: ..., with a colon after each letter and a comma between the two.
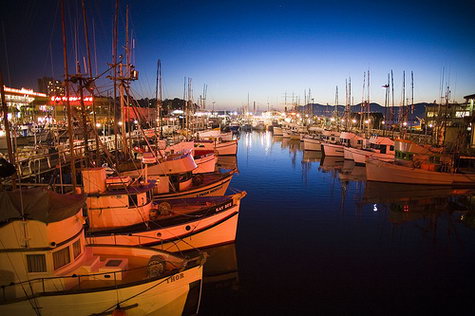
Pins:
x: 381, y: 148
x: 47, y: 268
x: 220, y: 146
x: 377, y: 170
x: 312, y: 143
x: 174, y: 225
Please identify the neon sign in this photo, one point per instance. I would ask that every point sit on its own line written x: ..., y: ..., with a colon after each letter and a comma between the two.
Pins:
x: 71, y: 99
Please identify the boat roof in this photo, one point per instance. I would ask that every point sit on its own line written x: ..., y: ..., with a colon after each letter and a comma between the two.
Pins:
x: 380, y: 140
x: 39, y: 204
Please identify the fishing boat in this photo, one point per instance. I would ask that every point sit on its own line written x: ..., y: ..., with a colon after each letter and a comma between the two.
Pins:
x: 381, y: 148
x: 171, y: 225
x: 205, y: 159
x: 331, y: 146
x: 416, y: 164
x: 174, y: 177
x: 277, y: 131
x: 48, y: 269
x: 312, y: 143
x: 222, y: 147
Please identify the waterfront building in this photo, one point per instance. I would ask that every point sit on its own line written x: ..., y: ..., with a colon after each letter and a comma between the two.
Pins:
x: 23, y: 104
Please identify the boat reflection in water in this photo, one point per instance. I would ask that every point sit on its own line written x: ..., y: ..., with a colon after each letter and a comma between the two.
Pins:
x: 312, y: 156
x: 410, y: 203
x: 352, y: 172
x: 220, y: 278
x: 331, y: 164
x: 227, y: 163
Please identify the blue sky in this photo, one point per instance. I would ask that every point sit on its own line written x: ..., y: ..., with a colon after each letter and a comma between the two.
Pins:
x: 267, y: 48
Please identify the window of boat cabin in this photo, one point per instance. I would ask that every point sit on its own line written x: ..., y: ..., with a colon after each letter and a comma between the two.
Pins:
x: 133, y: 200
x: 61, y: 258
x: 382, y: 149
x: 391, y: 148
x: 36, y: 263
x: 77, y: 248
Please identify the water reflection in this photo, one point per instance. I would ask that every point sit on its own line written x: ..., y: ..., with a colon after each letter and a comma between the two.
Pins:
x: 313, y: 227
x: 220, y: 278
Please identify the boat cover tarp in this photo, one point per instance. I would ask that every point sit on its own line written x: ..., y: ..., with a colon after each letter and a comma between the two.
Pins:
x: 39, y: 204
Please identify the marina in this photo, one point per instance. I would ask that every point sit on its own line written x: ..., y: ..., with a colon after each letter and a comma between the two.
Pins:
x: 127, y: 187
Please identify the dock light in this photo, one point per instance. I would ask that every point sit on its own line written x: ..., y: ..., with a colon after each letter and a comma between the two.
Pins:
x: 383, y: 122
x: 136, y: 122
x: 353, y: 121
x: 2, y: 133
x: 430, y: 125
x: 366, y: 122
x: 98, y: 125
x: 120, y: 123
x: 343, y: 120
x: 332, y: 119
x: 405, y: 123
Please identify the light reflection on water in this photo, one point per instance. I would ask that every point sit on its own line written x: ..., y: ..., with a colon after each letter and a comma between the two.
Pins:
x: 315, y: 238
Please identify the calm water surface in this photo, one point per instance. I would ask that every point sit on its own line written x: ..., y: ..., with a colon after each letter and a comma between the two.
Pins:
x: 315, y: 238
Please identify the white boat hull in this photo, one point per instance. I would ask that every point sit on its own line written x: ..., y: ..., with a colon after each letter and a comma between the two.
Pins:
x: 206, y: 164
x: 222, y: 148
x: 377, y: 170
x: 277, y: 131
x: 360, y: 156
x: 333, y: 150
x: 312, y: 144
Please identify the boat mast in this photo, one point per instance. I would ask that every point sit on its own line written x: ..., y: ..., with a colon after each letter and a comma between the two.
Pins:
x: 158, y: 96
x: 392, y: 94
x: 117, y: 114
x: 88, y: 85
x: 68, y: 104
x: 335, y: 113
x: 8, y: 137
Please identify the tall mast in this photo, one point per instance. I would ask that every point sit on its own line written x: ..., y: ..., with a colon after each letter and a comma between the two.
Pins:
x: 392, y: 94
x: 89, y: 66
x: 412, y: 92
x: 368, y: 110
x: 68, y: 105
x: 363, y: 102
x: 8, y: 137
x: 117, y: 113
x: 336, y: 102
x: 404, y: 111
x: 158, y: 95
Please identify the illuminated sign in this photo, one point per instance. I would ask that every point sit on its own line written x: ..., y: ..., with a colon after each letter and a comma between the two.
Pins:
x: 24, y: 91
x: 71, y: 99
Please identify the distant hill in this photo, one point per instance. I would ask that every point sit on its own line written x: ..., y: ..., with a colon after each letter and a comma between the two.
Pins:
x: 327, y: 110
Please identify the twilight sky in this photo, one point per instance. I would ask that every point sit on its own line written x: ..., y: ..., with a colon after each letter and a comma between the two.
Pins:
x: 264, y: 48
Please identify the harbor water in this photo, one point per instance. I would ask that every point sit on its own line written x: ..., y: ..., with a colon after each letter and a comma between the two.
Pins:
x: 315, y: 239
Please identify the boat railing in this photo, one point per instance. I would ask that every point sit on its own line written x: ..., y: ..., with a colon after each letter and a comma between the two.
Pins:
x: 77, y: 283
